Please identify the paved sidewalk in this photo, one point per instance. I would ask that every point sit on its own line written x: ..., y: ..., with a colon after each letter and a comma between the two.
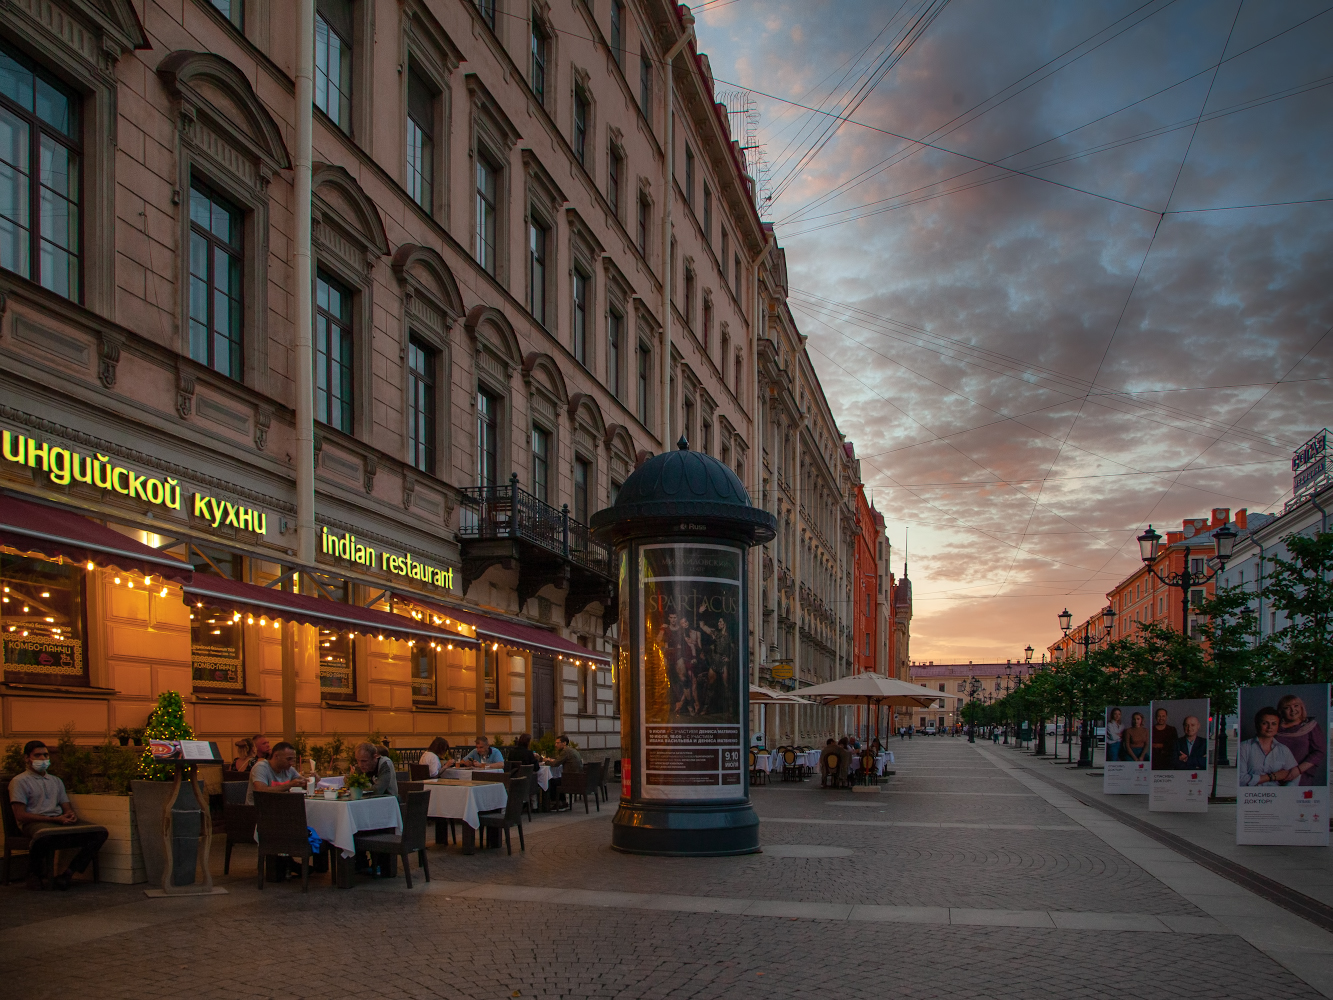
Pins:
x: 965, y: 876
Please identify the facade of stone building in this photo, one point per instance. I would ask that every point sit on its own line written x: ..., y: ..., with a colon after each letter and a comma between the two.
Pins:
x: 493, y: 343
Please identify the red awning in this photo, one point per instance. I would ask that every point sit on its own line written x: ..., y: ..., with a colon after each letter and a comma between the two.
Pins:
x: 56, y: 533
x: 269, y: 603
x: 507, y: 633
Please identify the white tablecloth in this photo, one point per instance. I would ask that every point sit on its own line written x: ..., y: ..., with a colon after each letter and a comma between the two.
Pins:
x: 545, y: 774
x: 765, y: 762
x: 465, y: 801
x: 881, y: 761
x: 339, y: 820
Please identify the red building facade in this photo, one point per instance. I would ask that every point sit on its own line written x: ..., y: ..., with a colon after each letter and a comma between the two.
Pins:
x: 865, y: 586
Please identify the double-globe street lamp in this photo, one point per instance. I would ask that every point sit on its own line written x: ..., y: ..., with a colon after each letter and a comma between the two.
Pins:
x: 1150, y: 545
x: 1087, y: 640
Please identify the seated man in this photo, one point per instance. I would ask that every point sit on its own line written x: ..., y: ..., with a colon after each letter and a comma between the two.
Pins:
x: 483, y: 755
x: 568, y: 760
x: 277, y: 774
x: 43, y: 812
x: 381, y: 769
x: 430, y: 757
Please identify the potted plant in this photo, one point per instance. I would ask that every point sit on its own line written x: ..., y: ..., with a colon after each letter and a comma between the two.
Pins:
x: 137, y: 735
x: 357, y: 783
x: 122, y: 733
x: 153, y: 797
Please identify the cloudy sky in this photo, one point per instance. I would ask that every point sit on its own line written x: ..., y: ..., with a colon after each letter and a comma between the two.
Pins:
x: 1034, y: 286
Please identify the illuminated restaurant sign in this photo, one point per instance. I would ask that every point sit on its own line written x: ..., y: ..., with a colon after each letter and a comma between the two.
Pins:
x: 347, y: 547
x: 64, y: 466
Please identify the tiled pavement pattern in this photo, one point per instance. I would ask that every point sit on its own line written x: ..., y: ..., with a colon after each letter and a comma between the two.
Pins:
x: 999, y: 852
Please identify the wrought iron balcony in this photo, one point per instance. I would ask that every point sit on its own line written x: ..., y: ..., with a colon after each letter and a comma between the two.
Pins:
x: 506, y: 525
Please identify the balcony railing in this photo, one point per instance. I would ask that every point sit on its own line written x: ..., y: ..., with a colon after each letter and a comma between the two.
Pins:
x: 500, y: 512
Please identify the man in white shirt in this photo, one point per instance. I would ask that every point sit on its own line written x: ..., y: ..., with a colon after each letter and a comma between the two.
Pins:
x: 43, y: 811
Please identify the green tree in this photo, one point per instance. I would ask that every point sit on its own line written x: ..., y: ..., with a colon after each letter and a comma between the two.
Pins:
x: 1302, y: 589
x: 166, y: 723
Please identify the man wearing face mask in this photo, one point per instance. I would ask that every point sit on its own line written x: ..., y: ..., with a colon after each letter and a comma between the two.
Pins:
x: 43, y: 811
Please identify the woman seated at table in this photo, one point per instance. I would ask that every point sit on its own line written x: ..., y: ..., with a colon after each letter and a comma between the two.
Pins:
x: 381, y: 769
x: 439, y: 747
x: 484, y: 755
x: 521, y: 752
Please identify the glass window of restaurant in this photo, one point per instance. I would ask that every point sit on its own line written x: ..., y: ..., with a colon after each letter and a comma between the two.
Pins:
x: 43, y: 622
x: 423, y: 674
x: 491, y: 667
x: 337, y: 650
x: 217, y: 637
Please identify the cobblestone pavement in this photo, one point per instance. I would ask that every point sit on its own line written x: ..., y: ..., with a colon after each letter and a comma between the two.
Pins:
x: 956, y: 880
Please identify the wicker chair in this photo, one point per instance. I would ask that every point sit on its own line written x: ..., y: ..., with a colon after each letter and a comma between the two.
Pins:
x: 577, y: 784
x: 282, y: 831
x: 411, y: 840
x: 510, y: 815
x: 238, y: 821
x: 418, y: 772
x: 594, y: 770
x: 528, y: 772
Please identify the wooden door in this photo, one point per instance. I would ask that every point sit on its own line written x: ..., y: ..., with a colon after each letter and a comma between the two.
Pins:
x: 543, y: 695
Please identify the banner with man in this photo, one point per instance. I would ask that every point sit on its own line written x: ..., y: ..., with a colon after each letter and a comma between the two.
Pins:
x: 1178, y: 756
x: 1282, y: 766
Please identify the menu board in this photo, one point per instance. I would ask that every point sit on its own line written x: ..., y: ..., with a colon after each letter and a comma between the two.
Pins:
x: 689, y: 746
x: 184, y: 750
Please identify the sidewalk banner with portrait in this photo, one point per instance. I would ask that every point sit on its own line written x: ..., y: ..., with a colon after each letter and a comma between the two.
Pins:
x: 1282, y: 766
x: 1127, y: 746
x: 1178, y: 756
x: 691, y: 744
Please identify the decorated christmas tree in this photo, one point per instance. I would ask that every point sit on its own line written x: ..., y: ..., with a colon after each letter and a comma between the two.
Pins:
x: 166, y: 723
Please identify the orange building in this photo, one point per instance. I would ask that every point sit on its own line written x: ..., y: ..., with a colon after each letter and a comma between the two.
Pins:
x: 865, y: 586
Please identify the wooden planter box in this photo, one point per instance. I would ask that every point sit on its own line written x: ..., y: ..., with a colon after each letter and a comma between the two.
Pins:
x: 121, y: 860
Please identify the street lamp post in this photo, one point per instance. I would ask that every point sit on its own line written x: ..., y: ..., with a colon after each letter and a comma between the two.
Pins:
x: 1150, y: 544
x: 1007, y: 668
x: 1041, y: 722
x: 1087, y: 640
x: 1027, y: 661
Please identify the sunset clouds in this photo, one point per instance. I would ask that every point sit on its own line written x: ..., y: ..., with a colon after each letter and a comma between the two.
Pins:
x: 1035, y: 362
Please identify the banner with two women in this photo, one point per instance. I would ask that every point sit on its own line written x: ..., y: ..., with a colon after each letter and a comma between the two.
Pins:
x: 1282, y: 765
x: 1127, y: 747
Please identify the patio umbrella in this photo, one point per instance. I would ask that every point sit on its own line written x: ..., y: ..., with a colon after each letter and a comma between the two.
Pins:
x: 873, y: 687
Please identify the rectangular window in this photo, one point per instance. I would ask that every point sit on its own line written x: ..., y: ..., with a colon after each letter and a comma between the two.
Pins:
x: 420, y: 405
x: 615, y: 166
x: 581, y: 127
x: 615, y: 326
x: 217, y: 649
x: 333, y: 353
x: 420, y: 140
x: 618, y: 31
x: 689, y: 177
x: 1196, y: 566
x: 232, y: 10
x: 722, y: 257
x: 491, y: 676
x: 708, y: 325
x: 687, y: 420
x: 486, y: 213
x: 215, y: 282
x: 582, y: 471
x: 537, y: 72
x: 333, y: 61
x: 643, y: 227
x: 488, y: 439
x: 580, y: 338
x: 1196, y: 598
x: 337, y: 655
x: 708, y: 216
x: 736, y: 266
x: 614, y: 493
x: 39, y: 215
x: 537, y: 271
x: 42, y: 622
x: 423, y: 674
x: 643, y: 367
x: 706, y: 438
x: 541, y: 464
x: 646, y: 85
x: 689, y: 298
x: 487, y: 8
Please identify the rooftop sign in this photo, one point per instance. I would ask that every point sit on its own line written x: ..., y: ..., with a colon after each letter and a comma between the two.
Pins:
x: 1309, y: 465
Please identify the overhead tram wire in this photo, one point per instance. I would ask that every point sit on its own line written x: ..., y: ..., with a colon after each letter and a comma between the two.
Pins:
x: 926, y: 143
x: 945, y: 129
x: 1054, y: 161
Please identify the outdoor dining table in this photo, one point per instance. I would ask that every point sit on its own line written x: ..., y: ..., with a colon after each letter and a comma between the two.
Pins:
x: 882, y: 760
x: 764, y: 762
x: 469, y: 773
x: 338, y: 821
x: 463, y: 800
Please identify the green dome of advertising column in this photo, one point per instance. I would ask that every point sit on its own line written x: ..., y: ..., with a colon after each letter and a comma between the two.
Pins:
x: 681, y: 526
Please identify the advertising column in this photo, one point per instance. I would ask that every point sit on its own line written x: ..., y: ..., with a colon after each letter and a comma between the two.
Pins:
x: 1178, y: 756
x: 1282, y: 766
x: 1127, y: 747
x: 690, y: 746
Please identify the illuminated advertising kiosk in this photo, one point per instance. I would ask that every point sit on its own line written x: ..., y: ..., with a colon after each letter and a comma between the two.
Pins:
x: 681, y: 526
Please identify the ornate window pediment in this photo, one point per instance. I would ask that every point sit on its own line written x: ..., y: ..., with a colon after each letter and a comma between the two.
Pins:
x: 346, y: 222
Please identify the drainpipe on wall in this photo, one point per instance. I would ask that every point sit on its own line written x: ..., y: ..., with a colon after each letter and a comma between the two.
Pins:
x: 668, y: 196
x: 305, y: 361
x: 1323, y: 515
